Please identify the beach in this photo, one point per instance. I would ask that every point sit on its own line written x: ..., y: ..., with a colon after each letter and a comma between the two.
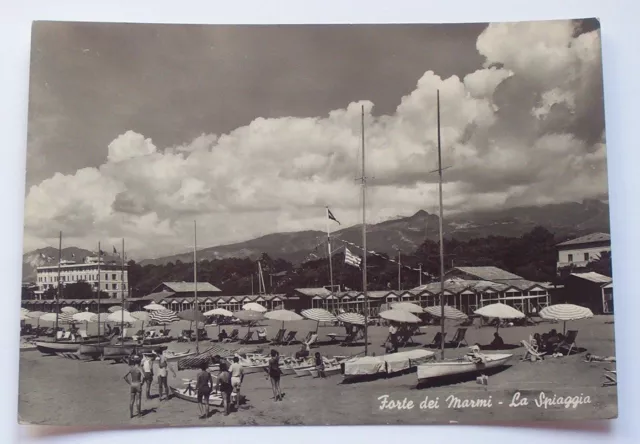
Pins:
x: 59, y: 391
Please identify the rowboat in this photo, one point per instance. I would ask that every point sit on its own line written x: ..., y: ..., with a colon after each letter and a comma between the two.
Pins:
x: 175, y: 357
x: 461, y: 366
x: 90, y: 352
x: 188, y: 393
x: 118, y: 352
x: 51, y: 347
x: 328, y: 371
x: 27, y: 346
x: 369, y: 367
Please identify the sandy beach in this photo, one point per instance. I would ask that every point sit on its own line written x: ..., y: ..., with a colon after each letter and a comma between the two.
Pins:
x: 60, y: 391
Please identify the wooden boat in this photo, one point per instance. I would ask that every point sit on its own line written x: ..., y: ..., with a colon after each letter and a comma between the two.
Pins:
x: 27, y: 346
x: 461, y: 366
x: 188, y: 393
x: 175, y: 357
x: 371, y: 367
x: 90, y: 352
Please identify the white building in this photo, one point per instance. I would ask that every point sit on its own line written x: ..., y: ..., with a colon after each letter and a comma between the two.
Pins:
x: 579, y: 252
x: 112, y: 279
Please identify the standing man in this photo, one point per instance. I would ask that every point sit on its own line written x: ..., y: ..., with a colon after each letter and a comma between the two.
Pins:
x: 147, y: 368
x: 224, y: 387
x: 134, y: 379
x: 393, y: 334
x: 237, y: 376
x: 204, y: 385
x: 163, y: 365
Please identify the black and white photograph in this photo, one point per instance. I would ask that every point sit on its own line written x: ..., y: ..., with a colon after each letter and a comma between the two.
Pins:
x: 230, y: 225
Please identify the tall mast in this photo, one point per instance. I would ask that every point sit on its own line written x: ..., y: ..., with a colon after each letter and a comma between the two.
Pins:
x: 196, y: 311
x: 59, y: 285
x: 99, y: 260
x: 364, y: 245
x: 330, y: 259
x: 122, y: 293
x: 441, y: 236
x: 399, y: 271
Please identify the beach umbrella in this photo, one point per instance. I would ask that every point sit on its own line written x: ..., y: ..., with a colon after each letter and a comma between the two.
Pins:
x: 351, y: 318
x: 71, y: 310
x: 117, y: 317
x: 400, y: 316
x: 24, y: 310
x: 407, y: 306
x: 449, y: 312
x: 35, y: 315
x: 254, y: 306
x: 164, y: 316
x: 63, y: 318
x: 192, y: 315
x: 141, y: 316
x: 249, y: 315
x: 500, y: 311
x: 153, y: 307
x: 85, y: 316
x: 565, y: 312
x: 319, y: 315
x: 283, y: 315
x: 114, y: 308
x: 219, y: 312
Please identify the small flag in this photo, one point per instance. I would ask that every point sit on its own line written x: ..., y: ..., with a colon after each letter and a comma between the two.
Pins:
x: 73, y: 255
x: 351, y: 259
x: 115, y: 251
x: 331, y: 216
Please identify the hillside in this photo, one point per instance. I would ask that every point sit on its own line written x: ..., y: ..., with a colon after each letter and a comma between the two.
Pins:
x: 407, y: 233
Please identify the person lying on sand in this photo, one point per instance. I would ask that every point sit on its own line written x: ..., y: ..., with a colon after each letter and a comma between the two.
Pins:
x: 594, y: 358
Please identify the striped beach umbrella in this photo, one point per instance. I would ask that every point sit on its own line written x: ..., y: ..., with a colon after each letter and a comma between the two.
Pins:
x: 71, y: 310
x: 63, y: 318
x: 319, y: 315
x: 254, y: 306
x: 449, y: 312
x: 565, y: 312
x: 401, y: 316
x: 164, y: 316
x: 351, y: 318
x: 153, y: 307
x: 407, y: 306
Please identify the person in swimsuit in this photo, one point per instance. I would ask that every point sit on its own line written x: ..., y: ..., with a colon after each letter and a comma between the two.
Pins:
x: 147, y: 368
x: 204, y: 384
x: 274, y: 375
x: 163, y: 366
x: 134, y: 379
x: 237, y: 376
x: 319, y: 365
x: 225, y: 387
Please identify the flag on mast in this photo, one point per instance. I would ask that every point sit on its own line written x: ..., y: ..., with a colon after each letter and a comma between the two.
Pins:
x: 331, y: 216
x: 115, y: 251
x: 351, y: 259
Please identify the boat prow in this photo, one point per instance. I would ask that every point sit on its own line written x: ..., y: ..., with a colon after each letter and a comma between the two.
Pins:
x: 439, y: 369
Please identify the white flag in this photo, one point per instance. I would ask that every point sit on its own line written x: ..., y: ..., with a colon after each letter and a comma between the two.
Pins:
x: 351, y: 259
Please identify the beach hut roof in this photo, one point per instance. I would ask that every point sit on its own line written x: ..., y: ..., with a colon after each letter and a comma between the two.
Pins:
x: 589, y: 238
x: 311, y: 292
x: 593, y: 277
x: 189, y: 287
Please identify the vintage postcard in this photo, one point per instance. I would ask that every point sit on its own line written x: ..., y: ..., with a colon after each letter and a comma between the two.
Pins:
x: 316, y: 225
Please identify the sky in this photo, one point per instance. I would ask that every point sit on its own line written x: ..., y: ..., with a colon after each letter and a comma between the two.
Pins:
x: 136, y: 130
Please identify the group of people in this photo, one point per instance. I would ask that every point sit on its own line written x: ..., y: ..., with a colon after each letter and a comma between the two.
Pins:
x: 228, y: 384
x: 141, y: 373
x: 547, y: 342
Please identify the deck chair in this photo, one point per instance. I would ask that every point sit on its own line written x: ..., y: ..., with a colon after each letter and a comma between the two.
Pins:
x: 405, y: 337
x: 306, y: 338
x: 458, y: 337
x: 312, y: 340
x: 569, y: 342
x: 611, y: 378
x: 531, y: 354
x: 233, y: 336
x: 291, y: 337
x: 247, y: 338
x: 262, y: 335
x: 438, y: 340
x: 278, y: 338
x: 67, y: 335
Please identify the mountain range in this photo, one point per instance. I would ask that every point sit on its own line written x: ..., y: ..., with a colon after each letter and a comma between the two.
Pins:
x: 565, y: 220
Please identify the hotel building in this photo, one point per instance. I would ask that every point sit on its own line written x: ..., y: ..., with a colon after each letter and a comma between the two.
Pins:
x: 112, y: 279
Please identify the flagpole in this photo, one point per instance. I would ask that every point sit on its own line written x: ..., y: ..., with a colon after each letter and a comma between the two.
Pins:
x: 195, y: 284
x: 364, y: 245
x: 441, y: 236
x: 59, y: 285
x: 122, y: 293
x: 330, y: 260
x: 399, y: 272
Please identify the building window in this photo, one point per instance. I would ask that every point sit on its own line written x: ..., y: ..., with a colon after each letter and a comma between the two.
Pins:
x: 115, y: 286
x: 106, y: 277
x: 586, y: 257
x: 113, y: 277
x: 571, y: 258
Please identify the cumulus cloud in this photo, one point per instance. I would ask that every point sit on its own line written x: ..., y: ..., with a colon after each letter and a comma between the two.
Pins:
x: 521, y: 130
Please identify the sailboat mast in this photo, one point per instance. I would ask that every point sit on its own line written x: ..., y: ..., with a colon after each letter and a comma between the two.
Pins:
x: 196, y: 311
x: 59, y: 285
x: 330, y: 260
x: 122, y: 293
x: 441, y: 236
x: 364, y: 245
x: 99, y: 260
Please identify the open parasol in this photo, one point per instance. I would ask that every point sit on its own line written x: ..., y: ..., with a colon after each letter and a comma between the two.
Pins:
x: 407, y: 306
x: 351, y: 318
x: 153, y: 307
x: 254, y: 306
x: 449, y: 312
x: 500, y: 311
x: 319, y: 315
x: 114, y: 308
x: 565, y: 312
x: 71, y: 310
x: 283, y: 315
x: 401, y: 316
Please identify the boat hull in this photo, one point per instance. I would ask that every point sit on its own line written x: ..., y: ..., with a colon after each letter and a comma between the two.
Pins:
x: 441, y: 369
x: 52, y: 348
x: 90, y: 352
